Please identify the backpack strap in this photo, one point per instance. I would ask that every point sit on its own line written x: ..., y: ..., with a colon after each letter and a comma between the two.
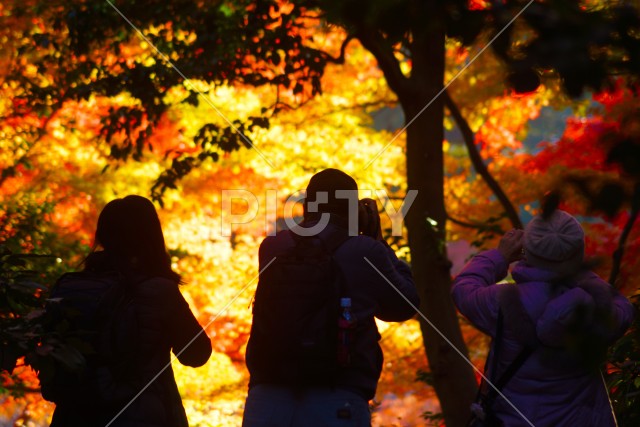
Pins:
x: 488, y: 399
x: 513, y: 368
x: 497, y: 345
x: 508, y: 297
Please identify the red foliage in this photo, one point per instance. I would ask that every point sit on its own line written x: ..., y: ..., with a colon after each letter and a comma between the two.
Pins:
x: 578, y: 149
x: 478, y: 4
x: 167, y: 139
x: 583, y: 149
x: 613, y: 97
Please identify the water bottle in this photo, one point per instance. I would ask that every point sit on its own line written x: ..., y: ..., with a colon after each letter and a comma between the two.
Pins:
x: 346, y: 323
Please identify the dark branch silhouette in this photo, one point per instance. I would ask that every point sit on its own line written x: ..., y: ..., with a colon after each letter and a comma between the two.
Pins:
x: 478, y: 164
x: 387, y: 61
x: 619, y: 252
x: 343, y: 48
x: 465, y: 224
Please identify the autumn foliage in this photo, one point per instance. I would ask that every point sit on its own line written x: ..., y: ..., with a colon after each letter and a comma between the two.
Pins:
x: 59, y: 166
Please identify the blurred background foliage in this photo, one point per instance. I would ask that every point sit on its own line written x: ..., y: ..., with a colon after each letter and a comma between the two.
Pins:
x: 91, y: 112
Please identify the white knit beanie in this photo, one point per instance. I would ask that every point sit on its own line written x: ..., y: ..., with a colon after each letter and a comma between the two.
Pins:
x: 555, y: 243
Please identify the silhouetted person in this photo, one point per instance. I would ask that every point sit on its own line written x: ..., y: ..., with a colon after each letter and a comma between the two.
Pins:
x: 296, y: 386
x: 564, y: 314
x: 127, y: 304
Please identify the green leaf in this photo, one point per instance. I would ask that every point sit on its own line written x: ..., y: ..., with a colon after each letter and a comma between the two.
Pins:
x: 69, y: 357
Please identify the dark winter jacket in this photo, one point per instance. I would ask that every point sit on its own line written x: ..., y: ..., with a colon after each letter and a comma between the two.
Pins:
x: 164, y: 324
x: 556, y: 386
x: 382, y: 294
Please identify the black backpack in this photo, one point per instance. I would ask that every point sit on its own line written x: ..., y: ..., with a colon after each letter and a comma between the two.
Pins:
x: 97, y: 323
x: 295, y: 313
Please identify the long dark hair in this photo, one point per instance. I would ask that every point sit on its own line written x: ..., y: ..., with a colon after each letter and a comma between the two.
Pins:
x: 131, y: 240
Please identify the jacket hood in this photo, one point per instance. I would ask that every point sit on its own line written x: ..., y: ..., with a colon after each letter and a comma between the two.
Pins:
x: 557, y: 325
x: 525, y: 273
x: 568, y: 307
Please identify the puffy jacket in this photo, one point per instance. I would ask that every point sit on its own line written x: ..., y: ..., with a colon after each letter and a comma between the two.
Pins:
x: 553, y: 387
x: 382, y: 294
x: 165, y: 324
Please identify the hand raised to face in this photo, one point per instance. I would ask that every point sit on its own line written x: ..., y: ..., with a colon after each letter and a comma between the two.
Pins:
x: 510, y: 245
x: 369, y: 218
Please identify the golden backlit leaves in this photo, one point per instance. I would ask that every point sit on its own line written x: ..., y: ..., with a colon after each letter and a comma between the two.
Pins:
x: 23, y: 411
x: 64, y: 164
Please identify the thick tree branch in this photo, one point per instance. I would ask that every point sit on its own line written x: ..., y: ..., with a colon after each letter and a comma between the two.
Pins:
x: 343, y: 48
x: 317, y: 117
x: 388, y: 63
x: 619, y: 252
x: 465, y: 224
x: 478, y: 164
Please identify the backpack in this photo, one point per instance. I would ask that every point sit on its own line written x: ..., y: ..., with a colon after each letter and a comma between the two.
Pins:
x: 295, y: 315
x: 118, y: 346
x: 94, y: 319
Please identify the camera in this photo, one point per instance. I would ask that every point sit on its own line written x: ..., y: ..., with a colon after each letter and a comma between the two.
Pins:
x: 369, y: 218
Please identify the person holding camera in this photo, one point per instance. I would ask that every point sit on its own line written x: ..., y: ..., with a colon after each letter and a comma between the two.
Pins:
x: 550, y: 330
x: 313, y: 353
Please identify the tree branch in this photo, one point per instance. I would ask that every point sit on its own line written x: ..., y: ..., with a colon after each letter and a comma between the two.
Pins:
x: 619, y: 252
x: 340, y: 59
x: 388, y: 63
x: 478, y: 164
x: 465, y: 224
x: 318, y: 117
x: 21, y: 389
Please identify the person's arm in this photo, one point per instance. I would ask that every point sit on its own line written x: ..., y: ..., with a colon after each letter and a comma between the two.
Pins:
x: 392, y: 281
x: 473, y: 291
x: 623, y: 314
x: 190, y: 342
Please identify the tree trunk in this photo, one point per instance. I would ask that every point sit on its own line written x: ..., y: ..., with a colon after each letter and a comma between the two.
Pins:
x: 453, y: 377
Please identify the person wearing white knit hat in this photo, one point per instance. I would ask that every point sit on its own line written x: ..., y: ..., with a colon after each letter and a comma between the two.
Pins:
x: 558, y: 311
x: 555, y: 243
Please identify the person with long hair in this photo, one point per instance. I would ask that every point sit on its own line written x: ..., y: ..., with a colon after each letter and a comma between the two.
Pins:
x: 127, y: 304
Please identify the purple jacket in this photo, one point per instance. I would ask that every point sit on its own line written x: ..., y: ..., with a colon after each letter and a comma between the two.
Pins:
x: 552, y: 388
x: 373, y: 294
